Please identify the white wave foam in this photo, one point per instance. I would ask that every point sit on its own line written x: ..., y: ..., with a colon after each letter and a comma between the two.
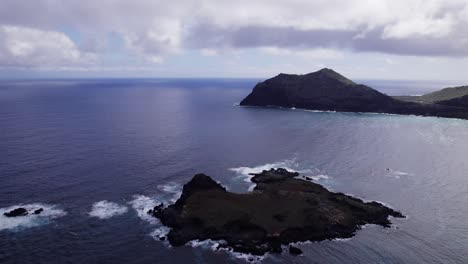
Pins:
x: 170, y: 187
x: 342, y: 239
x: 247, y: 257
x: 207, y: 244
x: 169, y: 193
x: 105, y: 209
x: 31, y: 220
x: 142, y: 204
x: 160, y: 233
x: 172, y: 191
x: 213, y: 245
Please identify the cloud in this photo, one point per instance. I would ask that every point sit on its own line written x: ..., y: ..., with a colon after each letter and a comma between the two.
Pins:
x: 291, y: 38
x: 208, y: 52
x: 307, y: 53
x: 156, y: 59
x: 26, y: 47
x: 37, y: 32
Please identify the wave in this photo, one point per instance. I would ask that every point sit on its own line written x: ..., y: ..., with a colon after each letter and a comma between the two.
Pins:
x: 213, y: 245
x: 142, y: 204
x: 105, y: 209
x: 30, y: 220
x: 171, y: 191
x: 160, y: 233
x: 246, y: 257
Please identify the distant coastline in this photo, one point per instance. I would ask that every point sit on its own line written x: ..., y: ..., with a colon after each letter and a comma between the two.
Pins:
x: 327, y: 90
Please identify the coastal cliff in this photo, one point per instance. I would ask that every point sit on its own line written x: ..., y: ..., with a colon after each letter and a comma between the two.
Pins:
x: 330, y: 91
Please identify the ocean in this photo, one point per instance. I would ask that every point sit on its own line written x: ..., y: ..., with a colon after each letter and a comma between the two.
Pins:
x: 97, y: 154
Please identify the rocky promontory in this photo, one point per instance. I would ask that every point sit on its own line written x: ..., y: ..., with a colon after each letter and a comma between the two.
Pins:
x: 330, y: 91
x: 282, y: 209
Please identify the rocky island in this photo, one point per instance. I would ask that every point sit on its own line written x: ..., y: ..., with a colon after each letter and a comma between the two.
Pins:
x: 20, y: 211
x: 282, y: 209
x: 330, y: 91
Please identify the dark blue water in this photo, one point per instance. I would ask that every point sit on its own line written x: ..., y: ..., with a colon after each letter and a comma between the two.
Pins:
x: 97, y: 154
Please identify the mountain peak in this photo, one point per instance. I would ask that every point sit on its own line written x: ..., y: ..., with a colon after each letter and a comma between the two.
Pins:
x: 330, y: 74
x: 326, y: 70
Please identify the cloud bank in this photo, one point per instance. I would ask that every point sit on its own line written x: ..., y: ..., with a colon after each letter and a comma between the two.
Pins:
x: 76, y: 33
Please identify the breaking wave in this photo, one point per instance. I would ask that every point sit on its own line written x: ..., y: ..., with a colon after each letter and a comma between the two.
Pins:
x: 105, y: 209
x: 142, y: 204
x: 171, y: 191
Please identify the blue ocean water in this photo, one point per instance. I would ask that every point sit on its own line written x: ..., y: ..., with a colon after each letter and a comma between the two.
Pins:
x: 97, y: 154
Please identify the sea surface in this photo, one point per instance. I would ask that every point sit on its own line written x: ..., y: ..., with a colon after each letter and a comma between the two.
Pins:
x: 97, y: 154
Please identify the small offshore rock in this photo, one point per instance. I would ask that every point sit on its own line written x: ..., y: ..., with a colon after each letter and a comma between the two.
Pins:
x: 38, y: 211
x: 16, y: 212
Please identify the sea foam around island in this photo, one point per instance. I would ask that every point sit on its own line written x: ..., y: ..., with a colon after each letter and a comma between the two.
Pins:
x: 141, y: 204
x: 49, y: 213
x: 167, y: 193
x: 213, y: 245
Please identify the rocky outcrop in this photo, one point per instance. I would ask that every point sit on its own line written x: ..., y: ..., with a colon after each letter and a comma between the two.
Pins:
x: 16, y: 212
x: 294, y: 250
x: 20, y: 211
x: 330, y: 91
x: 281, y: 210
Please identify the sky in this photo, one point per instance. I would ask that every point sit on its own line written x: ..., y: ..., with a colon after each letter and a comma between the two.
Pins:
x: 372, y: 39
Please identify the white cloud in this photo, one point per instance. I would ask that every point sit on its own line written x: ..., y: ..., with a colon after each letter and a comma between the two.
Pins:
x: 153, y: 30
x: 390, y: 61
x: 421, y: 26
x: 208, y: 52
x: 27, y: 47
x: 308, y: 53
x: 156, y: 59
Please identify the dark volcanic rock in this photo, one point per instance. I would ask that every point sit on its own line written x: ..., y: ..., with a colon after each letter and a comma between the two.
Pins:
x: 328, y: 90
x: 16, y: 212
x: 294, y: 250
x: 273, y: 175
x: 38, y: 211
x: 282, y: 209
